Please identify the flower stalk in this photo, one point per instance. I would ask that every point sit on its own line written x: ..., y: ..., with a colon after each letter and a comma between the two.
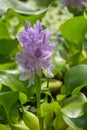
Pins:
x: 38, y: 93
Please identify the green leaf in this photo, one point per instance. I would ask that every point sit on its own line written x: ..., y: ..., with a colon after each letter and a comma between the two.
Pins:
x: 77, y: 58
x: 74, y: 106
x: 74, y: 31
x: 31, y: 120
x: 21, y: 20
x: 13, y: 113
x: 3, y: 127
x: 23, y: 98
x: 47, y: 107
x: 50, y: 127
x: 32, y: 18
x: 6, y: 46
x: 6, y: 66
x: 58, y: 62
x: 4, y: 34
x: 48, y: 110
x: 19, y: 7
x: 16, y: 5
x: 3, y: 117
x: 7, y: 99
x: 64, y: 90
x: 16, y: 22
x: 20, y: 126
x: 70, y: 123
x: 11, y: 79
x: 76, y: 77
x: 74, y: 111
x: 41, y: 4
x: 79, y: 123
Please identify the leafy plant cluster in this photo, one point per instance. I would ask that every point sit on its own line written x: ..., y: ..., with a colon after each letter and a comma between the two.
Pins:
x: 63, y: 98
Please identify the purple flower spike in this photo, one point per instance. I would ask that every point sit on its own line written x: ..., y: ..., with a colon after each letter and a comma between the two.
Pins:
x: 36, y: 53
x: 75, y: 3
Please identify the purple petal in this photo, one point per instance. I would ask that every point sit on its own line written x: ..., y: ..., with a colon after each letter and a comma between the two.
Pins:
x: 27, y: 26
x: 23, y: 38
x: 38, y: 27
x: 31, y: 35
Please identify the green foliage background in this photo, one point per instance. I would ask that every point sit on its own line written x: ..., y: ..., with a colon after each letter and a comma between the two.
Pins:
x: 63, y: 98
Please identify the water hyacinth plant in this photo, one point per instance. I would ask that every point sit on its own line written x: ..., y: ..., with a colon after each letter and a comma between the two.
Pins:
x: 43, y: 77
x: 36, y: 53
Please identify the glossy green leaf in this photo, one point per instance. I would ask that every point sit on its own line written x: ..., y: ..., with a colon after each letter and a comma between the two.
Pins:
x: 79, y: 123
x: 74, y: 111
x: 11, y: 79
x: 19, y: 126
x: 74, y: 31
x: 19, y: 7
x: 70, y: 123
x: 16, y: 5
x: 74, y: 106
x: 76, y: 77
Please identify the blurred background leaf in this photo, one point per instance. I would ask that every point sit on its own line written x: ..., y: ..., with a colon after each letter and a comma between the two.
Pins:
x: 74, y: 31
x: 74, y: 111
x: 18, y: 6
x: 76, y: 78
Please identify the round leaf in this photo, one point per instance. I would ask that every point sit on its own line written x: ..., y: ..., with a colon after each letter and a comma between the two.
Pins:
x: 76, y: 77
x: 74, y: 106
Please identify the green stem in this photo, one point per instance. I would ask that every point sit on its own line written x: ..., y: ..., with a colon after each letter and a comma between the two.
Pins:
x: 38, y: 94
x: 46, y: 96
